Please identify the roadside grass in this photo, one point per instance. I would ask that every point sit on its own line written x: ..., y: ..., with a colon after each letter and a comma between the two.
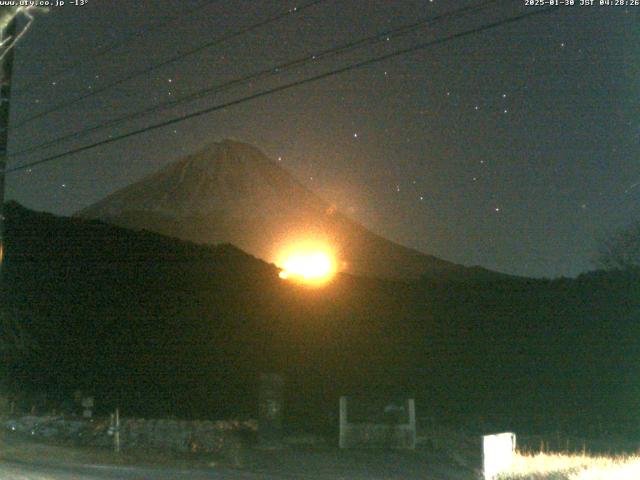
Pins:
x: 544, y: 457
x: 573, y: 466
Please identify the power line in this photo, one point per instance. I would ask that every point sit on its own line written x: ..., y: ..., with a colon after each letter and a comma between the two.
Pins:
x: 169, y: 61
x: 98, y: 52
x: 287, y: 86
x: 268, y: 72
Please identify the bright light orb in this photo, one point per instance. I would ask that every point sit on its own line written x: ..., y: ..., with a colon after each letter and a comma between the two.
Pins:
x: 311, y: 266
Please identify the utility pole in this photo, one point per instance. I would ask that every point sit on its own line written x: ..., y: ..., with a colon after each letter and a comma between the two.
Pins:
x: 6, y: 71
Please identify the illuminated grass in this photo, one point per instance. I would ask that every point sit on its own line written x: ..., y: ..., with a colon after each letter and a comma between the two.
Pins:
x: 549, y: 466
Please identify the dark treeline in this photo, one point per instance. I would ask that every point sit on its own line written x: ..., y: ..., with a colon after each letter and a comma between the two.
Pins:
x: 162, y: 327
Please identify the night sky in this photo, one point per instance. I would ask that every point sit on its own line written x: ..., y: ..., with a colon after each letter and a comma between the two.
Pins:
x: 515, y: 148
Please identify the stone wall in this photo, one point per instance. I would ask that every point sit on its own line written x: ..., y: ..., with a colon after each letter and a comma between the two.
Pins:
x: 137, y: 433
x: 182, y: 436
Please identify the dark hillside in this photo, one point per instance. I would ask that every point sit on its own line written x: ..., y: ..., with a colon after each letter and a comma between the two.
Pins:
x: 160, y: 326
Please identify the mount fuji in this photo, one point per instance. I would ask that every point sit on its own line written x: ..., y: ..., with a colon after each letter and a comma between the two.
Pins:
x: 230, y: 192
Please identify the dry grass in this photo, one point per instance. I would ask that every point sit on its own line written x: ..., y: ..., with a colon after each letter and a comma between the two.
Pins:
x: 559, y: 466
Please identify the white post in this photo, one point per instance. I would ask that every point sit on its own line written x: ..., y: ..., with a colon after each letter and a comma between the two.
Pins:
x: 412, y: 422
x: 343, y: 422
x: 116, y: 435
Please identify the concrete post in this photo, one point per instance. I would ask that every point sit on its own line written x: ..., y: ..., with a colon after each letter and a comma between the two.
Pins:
x: 343, y: 422
x: 116, y: 436
x: 411, y: 403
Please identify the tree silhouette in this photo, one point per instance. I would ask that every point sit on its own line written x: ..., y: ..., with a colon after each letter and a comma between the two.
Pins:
x: 621, y: 250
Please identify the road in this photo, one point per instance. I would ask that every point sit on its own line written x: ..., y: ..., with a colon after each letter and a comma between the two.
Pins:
x: 305, y: 470
x: 24, y: 471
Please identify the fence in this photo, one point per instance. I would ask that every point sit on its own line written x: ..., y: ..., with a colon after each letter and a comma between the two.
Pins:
x: 394, y: 428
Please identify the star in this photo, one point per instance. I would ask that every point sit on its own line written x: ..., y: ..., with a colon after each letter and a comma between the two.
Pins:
x: 419, y: 142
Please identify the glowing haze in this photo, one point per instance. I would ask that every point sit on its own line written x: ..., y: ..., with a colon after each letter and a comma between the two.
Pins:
x: 312, y: 264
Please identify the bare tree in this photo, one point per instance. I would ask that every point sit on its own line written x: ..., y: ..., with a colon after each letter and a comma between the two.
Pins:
x: 620, y: 251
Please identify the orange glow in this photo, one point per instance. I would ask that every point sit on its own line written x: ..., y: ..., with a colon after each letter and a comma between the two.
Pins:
x: 308, y: 263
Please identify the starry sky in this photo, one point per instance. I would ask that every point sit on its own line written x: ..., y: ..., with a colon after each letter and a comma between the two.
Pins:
x: 515, y: 148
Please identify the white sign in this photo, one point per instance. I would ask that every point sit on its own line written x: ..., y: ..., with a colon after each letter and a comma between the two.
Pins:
x: 498, y: 452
